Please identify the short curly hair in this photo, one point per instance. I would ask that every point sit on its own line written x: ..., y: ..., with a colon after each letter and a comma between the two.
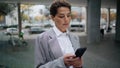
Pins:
x: 57, y: 4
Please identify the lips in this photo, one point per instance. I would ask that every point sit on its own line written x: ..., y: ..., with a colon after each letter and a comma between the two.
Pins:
x: 65, y: 24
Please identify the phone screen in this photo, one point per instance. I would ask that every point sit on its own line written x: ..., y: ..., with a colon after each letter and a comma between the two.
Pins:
x: 80, y: 51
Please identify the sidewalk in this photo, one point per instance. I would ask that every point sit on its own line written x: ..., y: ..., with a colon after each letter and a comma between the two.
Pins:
x: 101, y: 55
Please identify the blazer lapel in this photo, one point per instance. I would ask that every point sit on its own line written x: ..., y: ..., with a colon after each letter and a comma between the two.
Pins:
x: 54, y: 45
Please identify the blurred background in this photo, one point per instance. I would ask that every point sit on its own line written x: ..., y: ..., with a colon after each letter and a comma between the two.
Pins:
x: 33, y: 17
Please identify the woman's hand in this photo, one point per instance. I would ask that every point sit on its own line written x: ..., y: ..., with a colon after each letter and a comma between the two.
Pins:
x: 68, y: 58
x: 76, y: 62
x: 72, y: 60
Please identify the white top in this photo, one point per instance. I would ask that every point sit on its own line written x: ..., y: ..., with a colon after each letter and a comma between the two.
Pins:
x: 64, y: 42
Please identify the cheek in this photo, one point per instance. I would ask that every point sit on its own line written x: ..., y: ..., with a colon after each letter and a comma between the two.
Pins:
x: 69, y: 19
x: 59, y: 21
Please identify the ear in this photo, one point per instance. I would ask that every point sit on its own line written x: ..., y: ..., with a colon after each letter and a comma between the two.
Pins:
x: 52, y: 17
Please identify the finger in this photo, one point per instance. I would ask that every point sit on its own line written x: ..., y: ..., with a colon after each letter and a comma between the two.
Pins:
x: 69, y: 54
x: 68, y: 63
x: 69, y: 60
x: 76, y: 59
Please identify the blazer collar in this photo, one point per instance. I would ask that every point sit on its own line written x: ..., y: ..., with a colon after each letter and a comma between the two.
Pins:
x: 58, y: 32
x: 54, y: 45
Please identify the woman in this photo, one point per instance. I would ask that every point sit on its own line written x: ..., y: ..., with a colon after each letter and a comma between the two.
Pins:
x: 55, y: 48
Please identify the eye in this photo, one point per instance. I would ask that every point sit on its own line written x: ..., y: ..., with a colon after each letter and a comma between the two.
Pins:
x: 61, y: 16
x: 69, y: 15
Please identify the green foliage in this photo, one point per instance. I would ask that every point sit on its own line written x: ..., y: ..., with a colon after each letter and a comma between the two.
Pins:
x: 24, y: 9
x: 24, y: 17
x: 27, y: 26
x: 6, y: 8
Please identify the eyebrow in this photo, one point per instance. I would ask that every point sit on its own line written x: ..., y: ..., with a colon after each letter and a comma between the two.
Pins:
x: 63, y: 14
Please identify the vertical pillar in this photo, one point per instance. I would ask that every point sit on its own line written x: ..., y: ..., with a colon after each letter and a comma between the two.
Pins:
x: 93, y: 21
x: 117, y: 35
x: 108, y: 20
x: 19, y: 18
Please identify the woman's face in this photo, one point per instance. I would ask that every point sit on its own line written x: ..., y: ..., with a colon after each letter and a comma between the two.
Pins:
x: 62, y: 18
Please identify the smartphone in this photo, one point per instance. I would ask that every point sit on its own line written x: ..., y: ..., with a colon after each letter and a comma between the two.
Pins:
x: 80, y: 51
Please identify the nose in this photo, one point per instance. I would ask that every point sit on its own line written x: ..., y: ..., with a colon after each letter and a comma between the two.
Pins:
x: 66, y: 19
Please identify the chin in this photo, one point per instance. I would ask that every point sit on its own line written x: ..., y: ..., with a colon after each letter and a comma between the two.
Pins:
x: 64, y: 30
x: 66, y: 26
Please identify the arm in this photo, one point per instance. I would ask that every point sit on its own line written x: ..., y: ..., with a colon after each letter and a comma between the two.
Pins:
x: 40, y: 58
x: 58, y: 63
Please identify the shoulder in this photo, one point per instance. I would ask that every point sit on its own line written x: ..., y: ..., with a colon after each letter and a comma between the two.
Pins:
x: 74, y: 36
x: 45, y: 34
